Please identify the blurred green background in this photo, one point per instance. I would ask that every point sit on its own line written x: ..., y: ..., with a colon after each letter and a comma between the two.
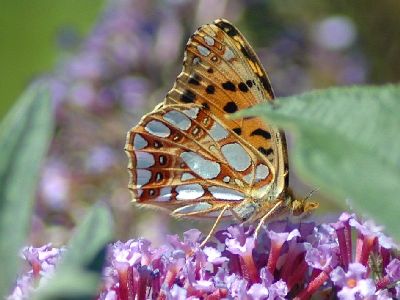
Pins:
x: 109, y: 62
x: 29, y: 39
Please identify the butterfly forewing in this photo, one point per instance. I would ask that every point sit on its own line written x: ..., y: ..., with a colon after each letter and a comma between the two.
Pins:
x: 222, y: 73
x: 187, y: 155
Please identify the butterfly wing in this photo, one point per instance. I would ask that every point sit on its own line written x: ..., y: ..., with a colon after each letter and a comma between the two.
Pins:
x: 186, y: 155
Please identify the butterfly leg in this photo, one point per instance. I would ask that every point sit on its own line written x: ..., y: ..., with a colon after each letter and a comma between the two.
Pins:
x: 215, y: 225
x: 270, y: 213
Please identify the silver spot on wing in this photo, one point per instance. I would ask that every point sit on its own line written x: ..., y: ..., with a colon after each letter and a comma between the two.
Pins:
x: 187, y: 176
x: 209, y: 40
x: 222, y: 193
x: 144, y: 160
x: 206, y: 169
x: 192, y: 208
x: 262, y: 172
x: 189, y: 191
x: 139, y: 142
x: 218, y: 132
x: 157, y: 128
x: 178, y: 119
x: 236, y: 156
x: 203, y: 50
x: 142, y: 177
x: 228, y: 54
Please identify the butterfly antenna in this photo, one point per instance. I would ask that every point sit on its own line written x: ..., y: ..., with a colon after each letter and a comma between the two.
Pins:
x: 310, y: 194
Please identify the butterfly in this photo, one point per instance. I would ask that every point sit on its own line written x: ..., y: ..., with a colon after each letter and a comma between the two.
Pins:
x: 189, y: 157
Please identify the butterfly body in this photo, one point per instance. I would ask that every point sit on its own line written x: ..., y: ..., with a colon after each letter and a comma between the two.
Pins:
x: 189, y: 157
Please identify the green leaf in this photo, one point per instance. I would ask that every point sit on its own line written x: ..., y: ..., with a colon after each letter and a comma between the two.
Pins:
x: 348, y: 144
x: 72, y: 283
x: 83, y: 261
x: 25, y: 134
x: 92, y: 234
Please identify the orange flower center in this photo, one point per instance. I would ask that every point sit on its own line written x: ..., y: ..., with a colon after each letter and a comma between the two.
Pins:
x: 351, y: 283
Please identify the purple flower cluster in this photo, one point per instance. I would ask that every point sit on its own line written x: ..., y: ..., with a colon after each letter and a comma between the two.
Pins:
x: 42, y: 262
x: 287, y: 261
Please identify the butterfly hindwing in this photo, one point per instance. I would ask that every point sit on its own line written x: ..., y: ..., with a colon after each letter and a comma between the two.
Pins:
x: 181, y: 155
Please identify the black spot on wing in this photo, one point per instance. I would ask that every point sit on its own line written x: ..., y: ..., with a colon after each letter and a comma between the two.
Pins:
x: 210, y: 89
x: 194, y: 79
x: 267, y: 85
x: 243, y: 87
x: 188, y: 96
x: 230, y: 107
x: 228, y: 28
x: 249, y: 83
x: 229, y: 86
x: 261, y: 132
x: 246, y: 52
x: 264, y: 151
x: 237, y: 130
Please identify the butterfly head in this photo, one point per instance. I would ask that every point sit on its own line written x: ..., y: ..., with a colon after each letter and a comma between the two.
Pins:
x: 301, y: 208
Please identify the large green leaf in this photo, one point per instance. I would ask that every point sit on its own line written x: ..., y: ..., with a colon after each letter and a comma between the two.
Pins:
x: 348, y: 144
x: 78, y: 274
x: 70, y: 284
x: 24, y: 138
x: 90, y: 237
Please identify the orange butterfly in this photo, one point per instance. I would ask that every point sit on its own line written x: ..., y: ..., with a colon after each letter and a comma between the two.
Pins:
x: 188, y: 157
